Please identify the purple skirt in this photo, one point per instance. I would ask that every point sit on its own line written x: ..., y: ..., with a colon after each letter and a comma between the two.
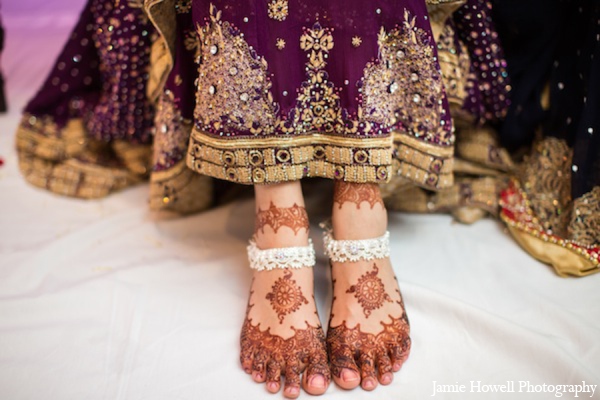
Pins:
x: 261, y: 92
x: 291, y: 89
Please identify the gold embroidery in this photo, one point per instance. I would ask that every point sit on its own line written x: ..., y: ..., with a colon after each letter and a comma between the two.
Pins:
x: 180, y: 189
x: 480, y: 144
x: 278, y: 10
x: 584, y: 226
x: 318, y: 103
x: 313, y: 155
x: 455, y: 64
x: 543, y: 217
x: 356, y: 41
x: 280, y: 43
x: 233, y: 85
x: 234, y: 98
x: 183, y: 6
x: 405, y: 87
x: 65, y: 161
x: 172, y: 135
x: 566, y: 256
x: 192, y: 44
x: 546, y: 175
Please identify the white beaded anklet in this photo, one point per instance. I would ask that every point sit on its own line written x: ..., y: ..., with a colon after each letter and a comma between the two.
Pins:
x: 282, y: 257
x: 356, y: 250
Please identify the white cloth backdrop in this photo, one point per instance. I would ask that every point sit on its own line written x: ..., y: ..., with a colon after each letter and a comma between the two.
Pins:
x: 103, y: 300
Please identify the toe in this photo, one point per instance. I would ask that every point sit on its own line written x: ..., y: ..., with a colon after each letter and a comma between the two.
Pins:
x: 247, y: 358
x: 316, y: 378
x: 343, y: 368
x: 291, y: 388
x: 367, y: 372
x: 399, y: 354
x: 259, y: 365
x: 273, y: 376
x: 384, y: 370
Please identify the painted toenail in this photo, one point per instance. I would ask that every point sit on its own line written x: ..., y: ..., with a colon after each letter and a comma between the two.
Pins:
x: 349, y: 376
x: 317, y: 381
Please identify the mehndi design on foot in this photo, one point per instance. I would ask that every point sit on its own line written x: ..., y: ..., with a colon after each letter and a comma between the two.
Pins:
x: 369, y: 335
x: 294, y: 217
x: 282, y: 336
x: 357, y: 193
x: 271, y: 357
x: 370, y: 291
x: 286, y: 296
x: 361, y: 352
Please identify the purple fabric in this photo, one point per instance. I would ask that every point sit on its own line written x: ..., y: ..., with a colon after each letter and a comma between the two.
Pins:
x: 345, y: 62
x: 101, y: 75
x: 488, y: 94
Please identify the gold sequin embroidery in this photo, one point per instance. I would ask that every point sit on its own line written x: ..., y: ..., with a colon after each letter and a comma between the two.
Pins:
x: 405, y: 86
x: 280, y: 43
x: 278, y: 10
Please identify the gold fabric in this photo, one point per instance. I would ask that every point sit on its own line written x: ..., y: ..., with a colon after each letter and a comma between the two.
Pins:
x: 181, y: 190
x: 545, y: 220
x: 567, y: 257
x: 67, y: 162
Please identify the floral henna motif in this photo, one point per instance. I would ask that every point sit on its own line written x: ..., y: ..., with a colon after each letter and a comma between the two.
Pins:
x: 370, y: 291
x: 344, y: 345
x: 286, y: 296
x: 357, y: 193
x: 263, y: 350
x: 294, y: 217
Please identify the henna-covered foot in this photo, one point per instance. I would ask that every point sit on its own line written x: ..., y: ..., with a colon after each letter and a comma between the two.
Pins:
x: 368, y: 336
x: 282, y: 337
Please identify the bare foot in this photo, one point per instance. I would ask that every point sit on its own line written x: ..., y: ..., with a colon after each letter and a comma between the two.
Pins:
x: 368, y: 336
x: 282, y: 335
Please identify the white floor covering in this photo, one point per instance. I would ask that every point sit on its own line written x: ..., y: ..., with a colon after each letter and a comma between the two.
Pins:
x: 103, y: 300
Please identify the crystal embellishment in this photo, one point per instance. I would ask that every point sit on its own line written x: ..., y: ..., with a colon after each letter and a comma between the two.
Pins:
x: 356, y: 250
x: 282, y: 258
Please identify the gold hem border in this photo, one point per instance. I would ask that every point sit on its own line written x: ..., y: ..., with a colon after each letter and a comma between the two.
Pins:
x: 179, y: 189
x: 567, y: 257
x: 263, y: 160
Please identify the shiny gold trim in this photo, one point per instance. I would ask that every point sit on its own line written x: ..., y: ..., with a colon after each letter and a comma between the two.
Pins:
x: 286, y: 158
x: 460, y: 199
x: 180, y: 189
x: 41, y: 137
x: 480, y: 144
x: 565, y: 256
x: 162, y: 14
x: 283, y: 141
x: 73, y: 177
x: 427, y: 165
x: 429, y: 148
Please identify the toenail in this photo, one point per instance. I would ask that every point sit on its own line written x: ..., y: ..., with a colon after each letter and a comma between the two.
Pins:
x: 386, y: 378
x: 397, y: 366
x: 293, y: 390
x: 369, y: 384
x: 349, y: 376
x: 273, y: 386
x: 258, y: 376
x: 317, y: 381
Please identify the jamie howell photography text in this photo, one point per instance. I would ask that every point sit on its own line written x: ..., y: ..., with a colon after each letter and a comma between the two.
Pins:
x: 581, y: 389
